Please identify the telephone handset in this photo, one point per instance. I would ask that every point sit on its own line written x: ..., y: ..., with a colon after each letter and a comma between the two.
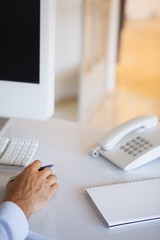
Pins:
x: 132, y: 143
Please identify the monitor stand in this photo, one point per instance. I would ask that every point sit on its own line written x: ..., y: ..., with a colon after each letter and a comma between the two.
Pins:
x: 3, y: 125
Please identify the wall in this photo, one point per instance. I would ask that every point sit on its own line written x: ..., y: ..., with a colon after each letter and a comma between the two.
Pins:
x: 142, y: 9
x: 69, y: 40
x: 68, y: 47
x: 92, y: 81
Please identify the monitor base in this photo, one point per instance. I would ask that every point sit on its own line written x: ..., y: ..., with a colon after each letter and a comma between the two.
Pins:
x: 3, y: 125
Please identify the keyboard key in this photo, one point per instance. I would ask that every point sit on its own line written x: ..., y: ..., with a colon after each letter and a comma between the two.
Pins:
x: 17, y: 152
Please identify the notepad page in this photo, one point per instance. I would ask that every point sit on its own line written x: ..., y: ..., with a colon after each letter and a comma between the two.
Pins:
x: 127, y: 202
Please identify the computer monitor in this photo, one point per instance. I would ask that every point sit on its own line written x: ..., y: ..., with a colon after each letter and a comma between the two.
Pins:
x: 27, y: 33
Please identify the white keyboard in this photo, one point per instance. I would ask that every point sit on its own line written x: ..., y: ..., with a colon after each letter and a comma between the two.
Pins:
x: 17, y: 152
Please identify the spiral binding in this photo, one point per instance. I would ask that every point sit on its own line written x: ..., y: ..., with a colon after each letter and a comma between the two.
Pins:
x: 126, y: 182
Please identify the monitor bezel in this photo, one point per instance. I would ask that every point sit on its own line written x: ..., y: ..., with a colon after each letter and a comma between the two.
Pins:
x: 34, y: 101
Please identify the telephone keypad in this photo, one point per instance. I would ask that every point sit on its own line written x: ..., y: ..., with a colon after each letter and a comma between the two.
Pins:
x: 136, y: 146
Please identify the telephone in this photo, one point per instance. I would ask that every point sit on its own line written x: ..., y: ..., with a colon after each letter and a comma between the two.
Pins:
x: 131, y: 144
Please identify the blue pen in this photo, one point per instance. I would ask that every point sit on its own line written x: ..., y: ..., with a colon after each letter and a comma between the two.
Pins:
x: 47, y: 166
x: 40, y: 169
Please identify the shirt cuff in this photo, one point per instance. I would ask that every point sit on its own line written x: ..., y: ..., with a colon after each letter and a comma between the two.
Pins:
x: 15, y: 219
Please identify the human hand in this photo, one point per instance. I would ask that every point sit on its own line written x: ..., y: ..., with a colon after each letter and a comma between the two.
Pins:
x: 32, y: 189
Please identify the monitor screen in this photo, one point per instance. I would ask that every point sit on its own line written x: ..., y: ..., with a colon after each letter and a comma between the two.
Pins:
x: 20, y: 40
x: 27, y: 34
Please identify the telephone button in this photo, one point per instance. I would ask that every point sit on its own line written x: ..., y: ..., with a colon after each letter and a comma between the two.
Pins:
x: 141, y: 145
x: 122, y: 147
x: 138, y: 138
x: 135, y: 154
x: 137, y: 143
x: 136, y: 149
x: 126, y: 149
x: 142, y: 140
x: 132, y: 146
x: 128, y: 143
x: 130, y: 152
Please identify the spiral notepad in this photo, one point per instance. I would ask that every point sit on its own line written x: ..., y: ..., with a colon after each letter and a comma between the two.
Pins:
x: 127, y: 202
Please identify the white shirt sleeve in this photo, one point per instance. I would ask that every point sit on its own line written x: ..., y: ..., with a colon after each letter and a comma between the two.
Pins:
x: 13, y: 222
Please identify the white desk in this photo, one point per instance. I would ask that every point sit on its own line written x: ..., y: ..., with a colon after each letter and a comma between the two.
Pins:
x: 70, y: 215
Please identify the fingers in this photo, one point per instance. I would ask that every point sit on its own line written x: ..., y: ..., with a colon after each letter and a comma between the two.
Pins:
x: 34, y: 166
x: 51, y: 179
x: 37, y: 166
x: 53, y: 188
x: 52, y: 183
x: 46, y: 172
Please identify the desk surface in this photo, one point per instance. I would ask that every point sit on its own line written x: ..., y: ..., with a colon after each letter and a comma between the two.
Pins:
x: 70, y: 215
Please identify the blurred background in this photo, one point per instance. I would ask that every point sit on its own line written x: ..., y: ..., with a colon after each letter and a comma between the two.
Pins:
x: 107, y: 60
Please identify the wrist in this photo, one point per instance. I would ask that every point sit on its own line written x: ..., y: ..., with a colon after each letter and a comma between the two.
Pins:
x: 24, y: 205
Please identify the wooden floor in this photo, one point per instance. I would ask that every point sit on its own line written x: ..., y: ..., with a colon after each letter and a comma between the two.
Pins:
x: 138, y: 78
